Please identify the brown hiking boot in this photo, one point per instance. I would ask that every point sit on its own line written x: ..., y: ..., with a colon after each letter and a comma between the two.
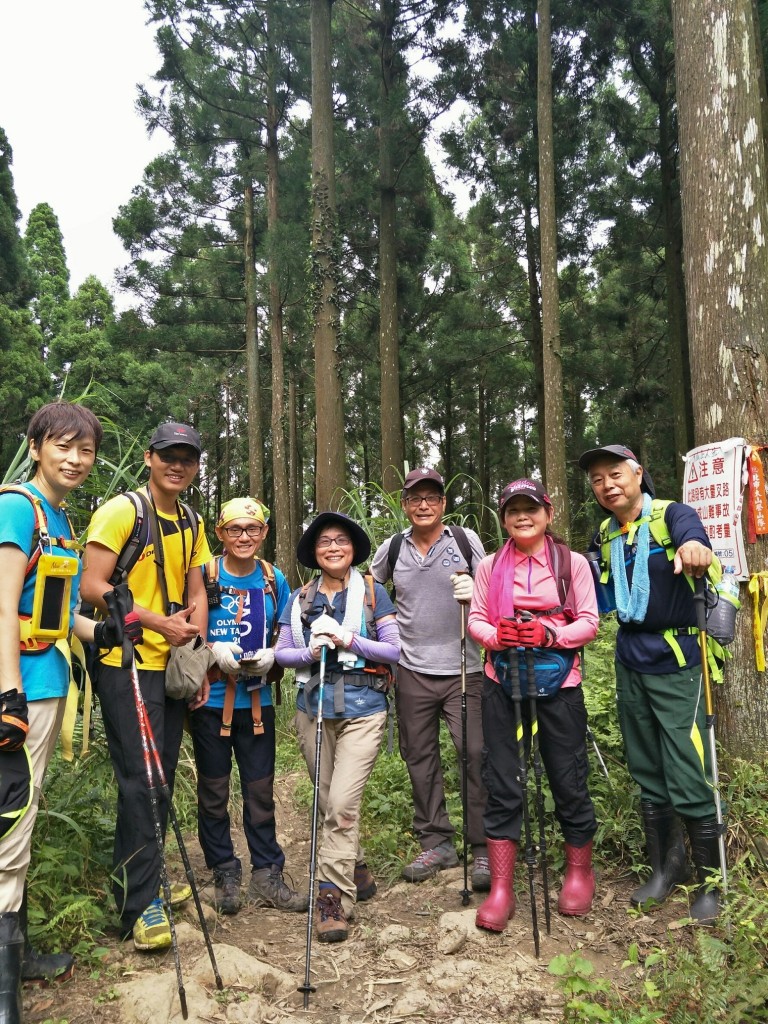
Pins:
x: 226, y: 881
x: 365, y: 883
x: 269, y: 889
x: 331, y: 920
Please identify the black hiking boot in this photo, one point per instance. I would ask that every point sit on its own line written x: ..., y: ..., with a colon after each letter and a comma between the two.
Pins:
x: 226, y: 880
x: 705, y: 849
x: 42, y: 968
x: 666, y: 854
x: 11, y: 954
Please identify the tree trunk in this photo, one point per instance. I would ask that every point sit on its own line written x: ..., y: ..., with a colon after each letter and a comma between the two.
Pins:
x: 679, y: 352
x: 284, y: 549
x: 330, y: 465
x: 392, y: 448
x: 536, y: 338
x: 255, y: 436
x: 725, y: 216
x: 551, y: 434
x: 293, y: 464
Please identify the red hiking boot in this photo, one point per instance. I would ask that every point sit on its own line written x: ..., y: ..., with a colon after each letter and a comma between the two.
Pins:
x: 579, y: 882
x: 494, y: 912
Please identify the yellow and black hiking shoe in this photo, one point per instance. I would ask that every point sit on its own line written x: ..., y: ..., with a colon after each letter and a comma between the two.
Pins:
x: 180, y: 893
x: 152, y: 930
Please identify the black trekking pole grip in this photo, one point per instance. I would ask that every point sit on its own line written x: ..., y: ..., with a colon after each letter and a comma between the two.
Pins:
x: 700, y: 600
x: 119, y: 602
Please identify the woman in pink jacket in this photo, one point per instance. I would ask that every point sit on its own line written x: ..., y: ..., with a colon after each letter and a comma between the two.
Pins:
x: 534, y: 593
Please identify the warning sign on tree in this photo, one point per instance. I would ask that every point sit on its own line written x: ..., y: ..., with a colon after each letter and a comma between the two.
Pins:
x: 713, y: 486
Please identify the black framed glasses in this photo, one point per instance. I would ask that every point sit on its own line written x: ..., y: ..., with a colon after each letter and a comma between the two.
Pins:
x: 433, y: 500
x: 238, y: 531
x: 341, y: 541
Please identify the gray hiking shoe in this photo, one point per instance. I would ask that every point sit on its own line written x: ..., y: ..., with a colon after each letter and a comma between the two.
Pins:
x: 269, y: 889
x: 429, y: 862
x: 481, y: 874
x: 226, y: 880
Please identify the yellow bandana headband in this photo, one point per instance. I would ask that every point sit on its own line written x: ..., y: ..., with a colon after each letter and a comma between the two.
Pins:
x: 242, y: 508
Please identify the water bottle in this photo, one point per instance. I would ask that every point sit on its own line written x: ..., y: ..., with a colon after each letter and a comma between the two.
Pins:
x: 606, y: 600
x: 721, y: 620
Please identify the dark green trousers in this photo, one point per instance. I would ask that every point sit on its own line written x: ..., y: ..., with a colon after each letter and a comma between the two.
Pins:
x: 663, y: 723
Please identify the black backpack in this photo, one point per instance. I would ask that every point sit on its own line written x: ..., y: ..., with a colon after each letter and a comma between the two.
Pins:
x: 142, y: 533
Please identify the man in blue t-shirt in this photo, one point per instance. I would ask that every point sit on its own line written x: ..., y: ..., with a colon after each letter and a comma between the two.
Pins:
x: 245, y: 598
x: 658, y: 680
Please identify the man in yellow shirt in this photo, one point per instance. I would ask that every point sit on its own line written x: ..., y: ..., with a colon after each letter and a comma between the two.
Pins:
x: 168, y: 620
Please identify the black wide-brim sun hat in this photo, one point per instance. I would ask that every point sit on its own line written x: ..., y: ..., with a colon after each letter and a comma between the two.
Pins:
x: 305, y: 549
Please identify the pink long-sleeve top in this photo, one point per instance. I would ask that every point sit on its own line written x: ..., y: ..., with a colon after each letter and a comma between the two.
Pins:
x: 535, y: 589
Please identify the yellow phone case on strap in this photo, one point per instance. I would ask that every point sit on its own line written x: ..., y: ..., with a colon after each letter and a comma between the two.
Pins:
x: 50, y: 603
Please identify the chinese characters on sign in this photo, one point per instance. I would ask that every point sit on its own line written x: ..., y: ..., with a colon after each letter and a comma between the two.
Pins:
x: 713, y: 486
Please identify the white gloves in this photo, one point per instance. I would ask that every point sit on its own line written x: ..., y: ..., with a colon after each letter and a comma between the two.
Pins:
x: 261, y: 662
x: 463, y: 587
x: 326, y: 632
x: 224, y: 652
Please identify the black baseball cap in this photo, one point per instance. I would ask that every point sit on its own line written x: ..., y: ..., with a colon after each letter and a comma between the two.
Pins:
x: 532, y: 489
x: 423, y: 476
x: 169, y: 434
x: 619, y: 451
x: 305, y: 549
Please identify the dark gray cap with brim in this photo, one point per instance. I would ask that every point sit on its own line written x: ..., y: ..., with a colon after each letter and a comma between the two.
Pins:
x: 617, y: 451
x: 168, y: 435
x: 423, y: 476
x: 305, y: 549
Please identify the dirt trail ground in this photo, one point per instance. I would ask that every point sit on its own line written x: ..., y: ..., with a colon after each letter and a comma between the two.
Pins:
x: 405, y: 959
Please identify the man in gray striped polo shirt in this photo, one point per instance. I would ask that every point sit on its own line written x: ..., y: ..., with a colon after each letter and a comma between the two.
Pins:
x: 429, y: 574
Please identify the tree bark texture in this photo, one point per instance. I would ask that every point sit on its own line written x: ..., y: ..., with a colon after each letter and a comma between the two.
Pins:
x: 392, y: 448
x: 284, y: 548
x: 552, y: 434
x: 330, y: 466
x: 724, y: 224
x: 255, y: 436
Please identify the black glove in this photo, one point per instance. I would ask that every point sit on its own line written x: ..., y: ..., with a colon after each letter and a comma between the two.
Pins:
x: 14, y: 722
x: 106, y: 634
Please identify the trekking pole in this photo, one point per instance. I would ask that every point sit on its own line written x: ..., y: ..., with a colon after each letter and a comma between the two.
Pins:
x: 119, y: 602
x: 465, y: 892
x: 590, y: 735
x: 591, y: 739
x: 538, y: 772
x: 700, y: 600
x: 307, y: 987
x: 530, y: 851
x: 117, y: 605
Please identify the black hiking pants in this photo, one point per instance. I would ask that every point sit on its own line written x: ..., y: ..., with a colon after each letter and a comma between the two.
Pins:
x: 562, y: 740
x: 136, y: 859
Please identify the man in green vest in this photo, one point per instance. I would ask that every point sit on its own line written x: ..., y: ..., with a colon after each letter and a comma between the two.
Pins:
x: 658, y: 675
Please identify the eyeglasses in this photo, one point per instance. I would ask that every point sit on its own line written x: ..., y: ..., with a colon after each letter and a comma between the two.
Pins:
x: 238, y: 531
x: 431, y: 499
x: 169, y: 459
x: 340, y: 541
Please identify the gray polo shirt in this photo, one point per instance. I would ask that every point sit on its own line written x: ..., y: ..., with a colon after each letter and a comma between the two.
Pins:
x: 428, y: 616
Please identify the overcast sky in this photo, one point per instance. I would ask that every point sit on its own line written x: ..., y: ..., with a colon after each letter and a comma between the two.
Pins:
x: 68, y: 76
